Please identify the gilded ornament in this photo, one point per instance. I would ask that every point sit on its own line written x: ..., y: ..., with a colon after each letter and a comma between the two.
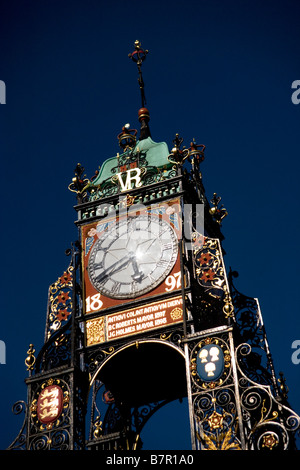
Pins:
x: 176, y: 313
x: 193, y: 366
x: 215, y: 420
x: 98, y: 428
x: 269, y: 441
x: 218, y: 213
x: 228, y: 307
x: 177, y: 155
x: 79, y: 182
x: 33, y: 408
x: 60, y: 301
x: 30, y: 359
x: 209, y: 266
x: 95, y: 331
x: 127, y: 201
x: 223, y: 441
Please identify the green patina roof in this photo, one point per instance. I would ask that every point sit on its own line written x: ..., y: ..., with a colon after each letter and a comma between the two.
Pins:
x: 156, y: 156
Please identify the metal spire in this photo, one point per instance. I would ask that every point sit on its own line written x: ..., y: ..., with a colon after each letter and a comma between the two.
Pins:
x: 138, y: 56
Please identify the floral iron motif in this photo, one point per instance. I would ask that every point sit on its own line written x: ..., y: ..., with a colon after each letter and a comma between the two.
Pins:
x: 60, y: 302
x: 222, y: 440
x: 209, y: 266
x: 210, y: 270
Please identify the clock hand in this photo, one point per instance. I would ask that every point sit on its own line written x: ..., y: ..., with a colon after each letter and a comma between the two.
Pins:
x: 121, y: 263
x: 150, y: 244
x: 138, y: 275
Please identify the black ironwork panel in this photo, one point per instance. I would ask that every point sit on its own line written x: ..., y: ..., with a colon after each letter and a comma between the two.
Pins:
x: 229, y: 409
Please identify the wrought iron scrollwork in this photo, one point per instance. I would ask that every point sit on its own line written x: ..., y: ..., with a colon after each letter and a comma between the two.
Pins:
x: 214, y: 401
x: 48, y: 423
x: 217, y: 417
x: 60, y: 302
x: 269, y: 424
x: 258, y: 364
x: 232, y: 410
x: 21, y: 439
x: 56, y: 351
x: 213, y: 305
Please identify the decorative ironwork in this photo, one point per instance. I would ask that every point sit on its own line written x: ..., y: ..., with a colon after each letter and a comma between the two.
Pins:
x: 30, y: 359
x: 79, y: 183
x: 217, y: 212
x: 20, y: 442
x: 127, y: 138
x: 268, y: 423
x: 56, y: 352
x: 178, y: 155
x: 209, y: 266
x: 50, y: 406
x: 129, y: 160
x: 95, y: 359
x: 210, y: 270
x: 101, y: 207
x: 196, y: 153
x: 132, y: 167
x: 258, y: 364
x: 56, y: 402
x: 49, y: 416
x: 60, y: 305
x: 214, y: 402
x: 233, y: 411
x: 209, y: 352
x: 217, y: 435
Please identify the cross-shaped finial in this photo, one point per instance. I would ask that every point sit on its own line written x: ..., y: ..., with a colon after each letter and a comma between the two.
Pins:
x: 138, y: 56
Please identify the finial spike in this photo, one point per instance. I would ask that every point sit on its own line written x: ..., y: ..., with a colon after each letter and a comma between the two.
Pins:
x: 138, y: 56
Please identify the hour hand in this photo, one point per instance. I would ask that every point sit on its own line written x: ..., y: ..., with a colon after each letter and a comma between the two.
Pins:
x: 120, y: 264
x: 137, y: 275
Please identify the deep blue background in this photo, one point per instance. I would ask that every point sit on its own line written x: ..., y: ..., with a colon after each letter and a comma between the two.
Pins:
x: 219, y: 71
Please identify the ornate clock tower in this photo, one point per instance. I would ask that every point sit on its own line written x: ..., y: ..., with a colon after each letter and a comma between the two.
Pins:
x: 146, y: 313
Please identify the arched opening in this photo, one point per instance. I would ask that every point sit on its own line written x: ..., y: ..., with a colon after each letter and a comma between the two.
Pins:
x: 144, y: 372
x: 143, y: 378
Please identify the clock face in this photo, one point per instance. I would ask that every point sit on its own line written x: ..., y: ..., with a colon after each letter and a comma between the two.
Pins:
x: 133, y: 257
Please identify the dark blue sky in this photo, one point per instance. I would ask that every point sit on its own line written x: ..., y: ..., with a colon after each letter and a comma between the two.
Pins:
x: 217, y: 71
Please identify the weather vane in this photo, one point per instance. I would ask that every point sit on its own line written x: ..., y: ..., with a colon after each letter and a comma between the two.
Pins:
x: 138, y: 56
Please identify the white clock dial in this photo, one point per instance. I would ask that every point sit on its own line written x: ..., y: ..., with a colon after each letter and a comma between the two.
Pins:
x: 133, y: 257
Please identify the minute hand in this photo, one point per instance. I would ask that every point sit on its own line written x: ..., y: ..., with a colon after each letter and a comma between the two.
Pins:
x: 121, y: 263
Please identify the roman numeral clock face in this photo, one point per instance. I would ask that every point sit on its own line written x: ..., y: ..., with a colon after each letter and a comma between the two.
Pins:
x: 132, y: 257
